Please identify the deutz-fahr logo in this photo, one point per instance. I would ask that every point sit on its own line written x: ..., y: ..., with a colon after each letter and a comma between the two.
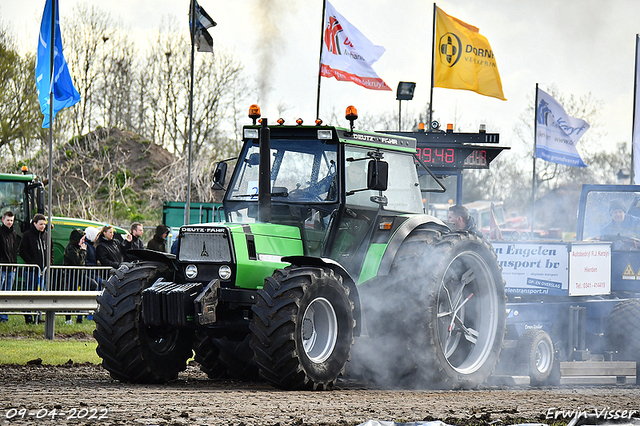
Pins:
x: 450, y: 49
x: 202, y: 230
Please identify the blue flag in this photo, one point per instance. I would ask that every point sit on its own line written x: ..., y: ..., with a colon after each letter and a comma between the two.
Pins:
x: 64, y: 93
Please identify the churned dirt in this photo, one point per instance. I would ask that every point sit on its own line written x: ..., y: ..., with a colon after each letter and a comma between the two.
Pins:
x: 86, y: 395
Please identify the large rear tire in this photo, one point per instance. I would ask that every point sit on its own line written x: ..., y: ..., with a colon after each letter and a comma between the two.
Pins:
x: 207, y: 355
x: 302, y: 328
x: 442, y: 309
x: 622, y: 330
x: 130, y: 350
x: 466, y: 312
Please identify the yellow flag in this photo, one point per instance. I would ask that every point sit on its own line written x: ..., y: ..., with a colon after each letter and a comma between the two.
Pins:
x: 464, y: 59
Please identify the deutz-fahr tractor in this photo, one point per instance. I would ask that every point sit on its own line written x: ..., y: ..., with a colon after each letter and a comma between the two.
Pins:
x: 325, y: 242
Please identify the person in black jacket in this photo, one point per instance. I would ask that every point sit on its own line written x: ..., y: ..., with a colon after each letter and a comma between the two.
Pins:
x: 136, y: 242
x: 33, y: 250
x: 109, y: 249
x: 75, y: 254
x: 159, y: 240
x: 8, y: 254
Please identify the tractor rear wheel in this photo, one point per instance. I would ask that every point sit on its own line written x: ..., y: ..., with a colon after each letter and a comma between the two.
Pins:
x: 622, y: 330
x: 207, y: 355
x: 130, y: 350
x: 302, y: 328
x: 442, y: 309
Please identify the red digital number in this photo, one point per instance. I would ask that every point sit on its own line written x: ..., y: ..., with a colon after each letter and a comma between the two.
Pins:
x: 426, y: 155
x: 449, y: 156
x: 440, y: 154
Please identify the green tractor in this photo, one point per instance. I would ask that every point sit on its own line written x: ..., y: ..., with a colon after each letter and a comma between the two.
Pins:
x: 325, y: 244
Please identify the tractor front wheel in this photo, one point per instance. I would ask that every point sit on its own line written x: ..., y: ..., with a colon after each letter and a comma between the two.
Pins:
x: 302, y: 328
x: 130, y: 350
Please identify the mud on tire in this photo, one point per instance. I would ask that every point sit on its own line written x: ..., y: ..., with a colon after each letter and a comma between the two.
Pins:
x: 131, y: 351
x: 302, y: 328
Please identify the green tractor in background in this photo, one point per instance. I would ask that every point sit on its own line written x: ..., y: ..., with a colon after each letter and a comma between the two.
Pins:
x: 23, y: 194
x: 325, y: 244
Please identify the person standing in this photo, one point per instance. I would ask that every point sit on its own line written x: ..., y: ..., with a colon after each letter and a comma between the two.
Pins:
x: 75, y: 254
x: 33, y: 250
x: 109, y: 249
x: 8, y: 254
x: 159, y: 240
x: 136, y: 242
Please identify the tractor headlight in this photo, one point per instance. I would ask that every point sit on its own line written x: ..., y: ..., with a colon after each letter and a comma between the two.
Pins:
x: 191, y: 271
x: 224, y: 272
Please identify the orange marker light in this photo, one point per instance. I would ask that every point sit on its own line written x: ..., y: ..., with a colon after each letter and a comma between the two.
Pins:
x: 299, y: 121
x: 318, y: 122
x: 281, y: 121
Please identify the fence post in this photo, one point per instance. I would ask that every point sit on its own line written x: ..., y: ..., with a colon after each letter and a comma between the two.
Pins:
x: 49, y: 325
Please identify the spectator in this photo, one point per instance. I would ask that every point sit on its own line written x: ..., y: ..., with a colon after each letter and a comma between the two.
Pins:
x: 8, y: 253
x: 90, y: 235
x: 74, y: 255
x: 108, y: 248
x: 462, y: 220
x: 159, y: 240
x: 33, y: 249
x: 135, y: 243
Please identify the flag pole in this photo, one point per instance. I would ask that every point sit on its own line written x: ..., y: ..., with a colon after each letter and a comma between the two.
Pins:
x: 192, y: 30
x: 324, y: 7
x: 633, y: 126
x: 533, y: 177
x: 433, y: 63
x: 54, y: 4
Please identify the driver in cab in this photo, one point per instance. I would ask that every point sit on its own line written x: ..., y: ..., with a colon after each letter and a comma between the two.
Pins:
x: 622, y: 224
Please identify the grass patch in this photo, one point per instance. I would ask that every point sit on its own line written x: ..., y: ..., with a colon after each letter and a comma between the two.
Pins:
x: 51, y: 352
x: 22, y: 342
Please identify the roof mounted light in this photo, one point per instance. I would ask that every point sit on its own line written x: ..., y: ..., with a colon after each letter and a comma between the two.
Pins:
x: 281, y: 121
x: 25, y: 170
x: 254, y: 113
x: 299, y: 121
x: 483, y: 128
x: 318, y: 122
x: 251, y: 133
x: 351, y: 115
x: 325, y: 134
x: 449, y: 127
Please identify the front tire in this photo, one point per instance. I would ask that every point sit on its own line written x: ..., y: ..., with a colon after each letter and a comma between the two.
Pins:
x: 302, y: 328
x: 130, y: 350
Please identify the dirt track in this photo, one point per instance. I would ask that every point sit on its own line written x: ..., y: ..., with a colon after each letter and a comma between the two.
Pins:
x: 195, y: 400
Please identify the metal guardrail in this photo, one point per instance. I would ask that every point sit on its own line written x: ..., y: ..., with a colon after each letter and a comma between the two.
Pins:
x: 73, y: 289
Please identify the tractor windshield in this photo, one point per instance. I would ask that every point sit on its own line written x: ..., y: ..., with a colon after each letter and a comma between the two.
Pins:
x: 612, y: 216
x: 302, y: 172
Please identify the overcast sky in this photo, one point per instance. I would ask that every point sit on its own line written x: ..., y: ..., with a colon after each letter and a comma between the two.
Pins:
x: 580, y: 46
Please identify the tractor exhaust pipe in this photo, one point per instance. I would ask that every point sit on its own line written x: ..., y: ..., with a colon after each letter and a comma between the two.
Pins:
x: 264, y: 178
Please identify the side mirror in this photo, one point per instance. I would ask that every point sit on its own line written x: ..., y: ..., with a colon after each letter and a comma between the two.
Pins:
x: 378, y: 175
x: 219, y: 175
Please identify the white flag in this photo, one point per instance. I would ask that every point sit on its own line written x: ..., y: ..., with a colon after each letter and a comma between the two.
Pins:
x: 347, y: 54
x: 557, y: 132
x: 636, y: 120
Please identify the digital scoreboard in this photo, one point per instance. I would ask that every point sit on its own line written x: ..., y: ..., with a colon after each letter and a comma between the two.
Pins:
x: 456, y: 157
